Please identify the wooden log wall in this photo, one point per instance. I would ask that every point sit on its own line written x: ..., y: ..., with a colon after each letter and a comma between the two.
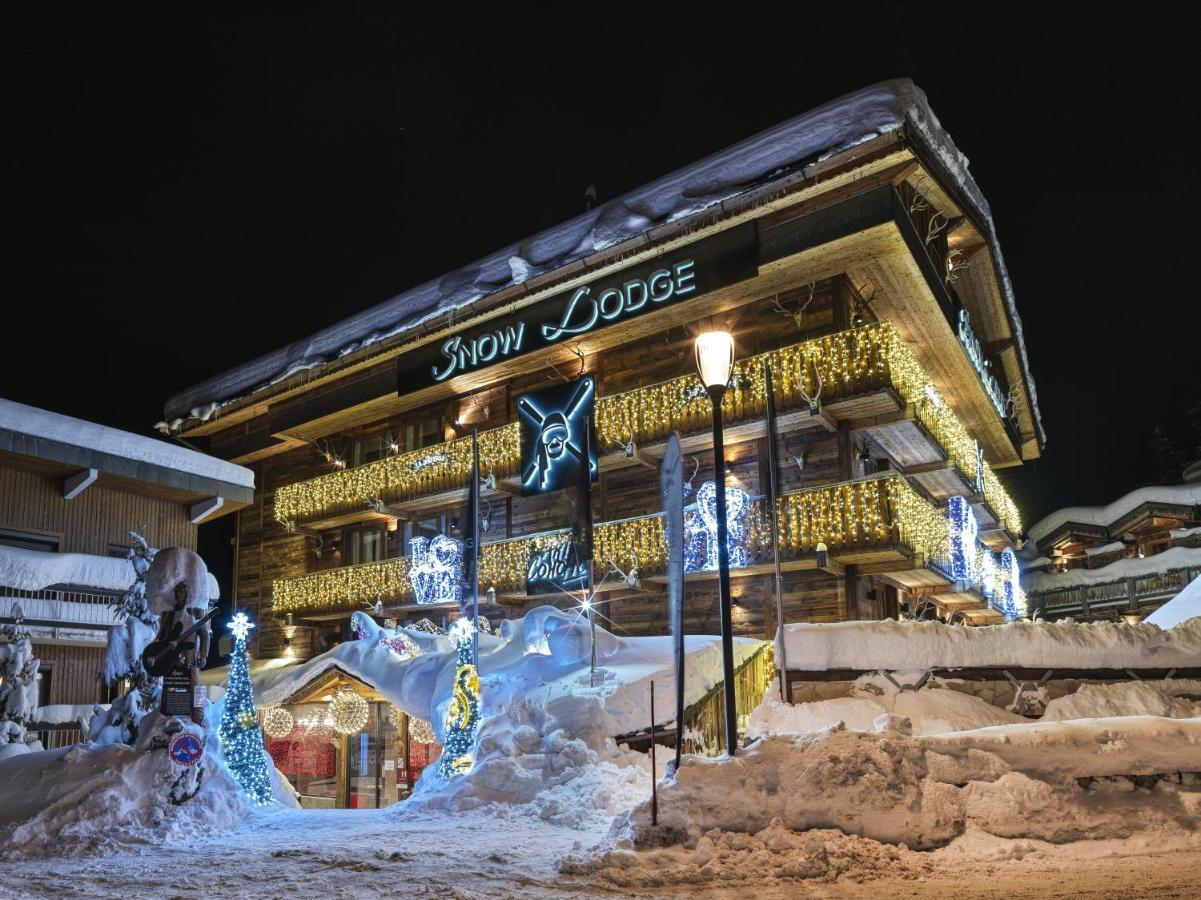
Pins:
x: 74, y: 672
x: 93, y: 521
x: 267, y: 551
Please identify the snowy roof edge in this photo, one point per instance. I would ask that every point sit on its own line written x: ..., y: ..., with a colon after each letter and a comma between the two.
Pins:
x: 1106, y: 514
x: 769, y: 156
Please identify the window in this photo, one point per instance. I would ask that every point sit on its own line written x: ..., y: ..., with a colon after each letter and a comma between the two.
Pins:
x: 43, y: 680
x: 367, y: 450
x: 424, y: 432
x: 366, y: 544
x: 29, y: 540
x: 426, y: 528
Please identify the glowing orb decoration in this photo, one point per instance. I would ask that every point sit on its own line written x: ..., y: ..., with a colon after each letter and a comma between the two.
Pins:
x: 348, y: 712
x: 240, y: 625
x: 434, y: 569
x: 278, y: 722
x: 421, y: 731
x: 700, y: 549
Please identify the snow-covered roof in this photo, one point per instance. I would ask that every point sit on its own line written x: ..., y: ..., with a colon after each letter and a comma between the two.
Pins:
x: 1177, y: 494
x: 31, y: 424
x: 1172, y: 558
x: 1111, y: 547
x: 35, y: 570
x: 774, y: 154
x: 1181, y: 533
x: 1184, y: 606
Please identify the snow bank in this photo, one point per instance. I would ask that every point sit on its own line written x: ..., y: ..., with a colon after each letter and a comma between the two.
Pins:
x: 1118, y: 570
x: 1184, y: 606
x: 928, y: 711
x: 1171, y: 698
x: 909, y: 646
x: 1175, y: 494
x: 41, y: 423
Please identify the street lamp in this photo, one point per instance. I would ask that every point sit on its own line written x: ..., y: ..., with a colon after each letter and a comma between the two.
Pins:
x: 715, y: 364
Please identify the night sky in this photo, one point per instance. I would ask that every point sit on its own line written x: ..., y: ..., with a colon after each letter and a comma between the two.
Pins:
x: 183, y: 194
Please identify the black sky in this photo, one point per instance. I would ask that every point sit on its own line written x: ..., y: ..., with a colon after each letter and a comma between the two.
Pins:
x: 183, y: 193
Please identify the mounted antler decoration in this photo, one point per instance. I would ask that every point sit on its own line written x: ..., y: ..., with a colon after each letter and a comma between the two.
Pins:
x: 957, y: 264
x: 631, y: 577
x: 919, y: 203
x: 797, y: 458
x: 696, y: 467
x: 814, y: 401
x: 579, y: 355
x: 797, y: 317
x: 935, y: 226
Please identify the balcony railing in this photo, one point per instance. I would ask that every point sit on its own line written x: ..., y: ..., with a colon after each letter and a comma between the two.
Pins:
x: 882, y: 517
x: 1119, y: 593
x: 59, y: 607
x: 848, y: 364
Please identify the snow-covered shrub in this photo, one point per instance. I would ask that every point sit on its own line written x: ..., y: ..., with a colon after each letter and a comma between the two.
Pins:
x: 18, y: 686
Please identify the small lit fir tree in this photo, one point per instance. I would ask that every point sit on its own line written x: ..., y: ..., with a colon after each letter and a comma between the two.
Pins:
x: 463, y: 716
x: 241, y: 740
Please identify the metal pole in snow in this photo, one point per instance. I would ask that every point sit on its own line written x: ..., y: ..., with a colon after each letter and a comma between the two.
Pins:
x: 773, y: 491
x: 654, y: 779
x: 592, y: 640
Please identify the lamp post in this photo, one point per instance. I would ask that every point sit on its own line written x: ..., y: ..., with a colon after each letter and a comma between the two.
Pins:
x: 715, y: 364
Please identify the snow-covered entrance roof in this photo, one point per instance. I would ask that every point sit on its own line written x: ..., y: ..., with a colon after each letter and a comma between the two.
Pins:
x: 774, y: 154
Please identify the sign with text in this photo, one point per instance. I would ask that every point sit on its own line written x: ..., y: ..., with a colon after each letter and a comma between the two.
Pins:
x: 709, y: 264
x: 556, y: 570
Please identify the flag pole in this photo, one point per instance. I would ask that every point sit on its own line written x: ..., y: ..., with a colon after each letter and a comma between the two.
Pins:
x: 773, y: 491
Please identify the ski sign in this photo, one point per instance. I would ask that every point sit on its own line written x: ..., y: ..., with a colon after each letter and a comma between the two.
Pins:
x: 186, y: 749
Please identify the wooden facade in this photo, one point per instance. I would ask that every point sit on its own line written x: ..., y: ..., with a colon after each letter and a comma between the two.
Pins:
x: 876, y: 243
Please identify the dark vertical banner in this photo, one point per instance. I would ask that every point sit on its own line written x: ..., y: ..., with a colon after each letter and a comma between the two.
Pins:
x: 773, y: 491
x: 582, y: 526
x: 671, y: 485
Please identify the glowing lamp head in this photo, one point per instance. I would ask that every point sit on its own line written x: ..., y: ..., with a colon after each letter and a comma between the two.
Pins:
x: 715, y: 358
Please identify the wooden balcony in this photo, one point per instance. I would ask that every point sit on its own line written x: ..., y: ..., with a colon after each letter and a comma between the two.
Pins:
x: 880, y: 524
x: 1112, y: 598
x: 870, y: 379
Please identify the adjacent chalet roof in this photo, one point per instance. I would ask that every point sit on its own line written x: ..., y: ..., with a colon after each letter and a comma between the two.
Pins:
x: 1184, y: 606
x: 771, y: 156
x: 1172, y: 494
x: 33, y: 432
x: 1173, y: 558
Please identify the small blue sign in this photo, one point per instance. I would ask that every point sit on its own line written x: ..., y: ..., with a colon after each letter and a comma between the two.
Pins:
x: 186, y: 749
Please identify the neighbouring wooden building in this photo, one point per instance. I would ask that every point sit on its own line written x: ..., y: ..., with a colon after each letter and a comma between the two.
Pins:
x: 70, y: 493
x: 1125, y: 559
x: 849, y: 248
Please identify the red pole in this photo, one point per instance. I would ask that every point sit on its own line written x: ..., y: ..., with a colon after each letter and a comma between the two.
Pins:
x: 654, y: 780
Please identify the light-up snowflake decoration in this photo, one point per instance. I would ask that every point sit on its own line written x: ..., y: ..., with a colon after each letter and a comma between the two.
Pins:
x: 240, y: 625
x: 435, y: 569
x: 700, y: 548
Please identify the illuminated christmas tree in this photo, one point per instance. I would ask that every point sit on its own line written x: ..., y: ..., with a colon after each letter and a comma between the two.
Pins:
x: 463, y: 716
x: 241, y: 740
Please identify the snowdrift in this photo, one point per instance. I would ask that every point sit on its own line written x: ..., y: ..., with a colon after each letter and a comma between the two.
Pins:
x: 919, y: 646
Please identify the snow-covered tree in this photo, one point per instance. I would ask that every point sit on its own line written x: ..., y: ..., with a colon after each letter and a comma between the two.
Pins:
x: 18, y: 684
x: 136, y: 627
x: 241, y: 740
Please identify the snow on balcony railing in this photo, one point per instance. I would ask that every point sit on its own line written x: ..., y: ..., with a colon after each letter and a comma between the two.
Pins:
x: 878, y: 512
x: 848, y: 363
x: 54, y: 606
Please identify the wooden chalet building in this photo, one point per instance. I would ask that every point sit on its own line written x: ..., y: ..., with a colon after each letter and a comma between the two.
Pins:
x: 1124, y: 560
x: 849, y: 248
x: 70, y: 493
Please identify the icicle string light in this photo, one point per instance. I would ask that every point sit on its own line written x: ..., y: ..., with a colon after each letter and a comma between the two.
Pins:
x: 848, y: 363
x: 857, y: 514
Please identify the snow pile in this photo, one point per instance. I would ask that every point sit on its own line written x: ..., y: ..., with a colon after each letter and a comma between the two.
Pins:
x: 1059, y: 782
x: 43, y: 424
x: 909, y: 646
x: 526, y: 764
x: 1184, y: 606
x: 1171, y: 698
x: 931, y: 710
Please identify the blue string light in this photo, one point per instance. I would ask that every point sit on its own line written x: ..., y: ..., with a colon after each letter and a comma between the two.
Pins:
x: 964, y: 531
x: 241, y: 740
x: 700, y: 549
x: 434, y: 569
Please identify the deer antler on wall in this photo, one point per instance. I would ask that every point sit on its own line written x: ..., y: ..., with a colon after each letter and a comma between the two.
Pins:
x: 814, y: 401
x: 956, y: 265
x: 798, y: 316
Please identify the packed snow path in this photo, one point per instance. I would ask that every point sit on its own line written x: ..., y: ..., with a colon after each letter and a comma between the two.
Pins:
x: 374, y: 853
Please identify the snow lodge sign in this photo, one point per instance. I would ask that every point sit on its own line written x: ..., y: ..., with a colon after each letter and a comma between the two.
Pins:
x: 715, y: 262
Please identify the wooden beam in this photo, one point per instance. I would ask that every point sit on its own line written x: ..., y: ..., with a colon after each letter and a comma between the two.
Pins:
x: 78, y: 483
x: 204, y: 508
